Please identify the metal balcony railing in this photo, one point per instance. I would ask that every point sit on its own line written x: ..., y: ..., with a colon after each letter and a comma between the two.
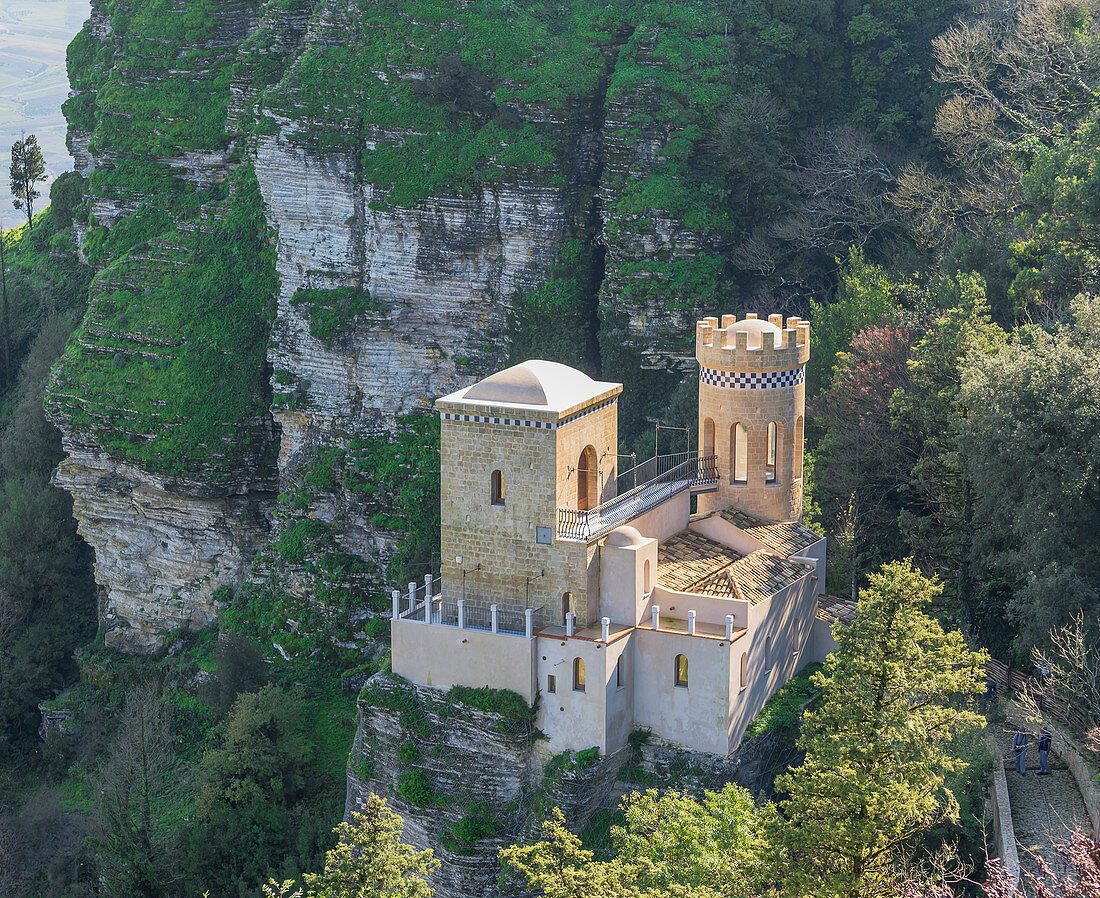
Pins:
x: 656, y: 481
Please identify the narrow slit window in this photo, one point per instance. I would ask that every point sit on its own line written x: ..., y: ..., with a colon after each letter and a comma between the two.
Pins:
x: 799, y: 436
x: 744, y: 669
x: 496, y: 487
x: 619, y: 680
x: 739, y: 455
x: 708, y: 437
x: 681, y: 670
x: 551, y: 683
x: 773, y: 452
x: 768, y: 653
x: 578, y: 675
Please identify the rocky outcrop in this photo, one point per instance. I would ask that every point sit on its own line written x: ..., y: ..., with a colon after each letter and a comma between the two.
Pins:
x: 469, y: 781
x: 162, y: 547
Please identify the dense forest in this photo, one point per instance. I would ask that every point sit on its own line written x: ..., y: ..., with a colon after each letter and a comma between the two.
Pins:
x: 919, y: 180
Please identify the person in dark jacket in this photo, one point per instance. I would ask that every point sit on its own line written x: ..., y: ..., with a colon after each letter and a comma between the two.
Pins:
x: 1019, y: 747
x: 1044, y: 751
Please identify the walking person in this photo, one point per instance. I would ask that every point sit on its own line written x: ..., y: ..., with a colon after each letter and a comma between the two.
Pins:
x: 1019, y: 747
x: 1044, y: 751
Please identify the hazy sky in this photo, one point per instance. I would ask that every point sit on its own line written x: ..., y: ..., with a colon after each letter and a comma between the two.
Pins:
x: 33, y: 85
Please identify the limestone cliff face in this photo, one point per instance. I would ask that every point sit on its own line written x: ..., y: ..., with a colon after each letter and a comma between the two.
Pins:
x: 443, y: 275
x: 170, y: 450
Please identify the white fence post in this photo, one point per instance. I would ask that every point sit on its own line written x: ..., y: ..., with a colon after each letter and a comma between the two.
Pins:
x: 427, y: 587
x: 461, y: 614
x: 691, y: 623
x: 729, y: 627
x: 656, y: 611
x: 494, y: 618
x: 396, y: 596
x: 529, y: 622
x: 412, y: 595
x: 605, y: 625
x: 570, y: 623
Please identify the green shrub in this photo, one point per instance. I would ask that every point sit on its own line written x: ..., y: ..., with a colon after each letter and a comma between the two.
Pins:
x: 415, y: 787
x: 331, y: 312
x: 478, y: 823
x: 509, y: 705
x: 409, y: 753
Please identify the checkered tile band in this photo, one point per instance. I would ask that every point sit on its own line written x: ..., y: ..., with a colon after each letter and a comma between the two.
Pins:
x: 752, y: 380
x: 521, y: 422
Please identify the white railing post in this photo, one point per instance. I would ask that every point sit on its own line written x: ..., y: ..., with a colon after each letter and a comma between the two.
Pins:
x: 412, y: 595
x: 729, y: 627
x: 691, y: 623
x: 396, y: 596
x: 461, y: 614
x: 605, y: 626
x: 656, y: 611
x: 529, y: 622
x: 494, y: 618
x: 570, y: 623
x: 427, y: 587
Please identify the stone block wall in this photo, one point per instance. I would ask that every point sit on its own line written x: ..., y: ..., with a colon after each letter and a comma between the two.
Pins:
x: 539, y: 467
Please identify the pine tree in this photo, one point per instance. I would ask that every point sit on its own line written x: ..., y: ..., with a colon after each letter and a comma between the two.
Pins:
x: 28, y: 168
x: 879, y: 745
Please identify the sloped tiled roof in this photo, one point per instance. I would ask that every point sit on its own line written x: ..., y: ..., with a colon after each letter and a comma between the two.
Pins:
x: 788, y: 537
x: 834, y: 608
x: 689, y: 562
x: 689, y: 558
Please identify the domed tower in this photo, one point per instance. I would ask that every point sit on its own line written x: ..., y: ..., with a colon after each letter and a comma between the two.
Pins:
x: 752, y: 409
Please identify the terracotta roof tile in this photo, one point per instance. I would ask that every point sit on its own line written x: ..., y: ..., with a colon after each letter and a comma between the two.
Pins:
x: 787, y: 537
x: 688, y: 558
x: 689, y: 562
x: 834, y: 608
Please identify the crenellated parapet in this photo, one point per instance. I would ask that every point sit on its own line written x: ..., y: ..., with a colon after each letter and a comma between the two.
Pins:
x: 752, y: 344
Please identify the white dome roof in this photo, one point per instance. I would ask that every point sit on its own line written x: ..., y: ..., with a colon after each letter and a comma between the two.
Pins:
x: 755, y: 328
x: 624, y: 537
x: 535, y: 382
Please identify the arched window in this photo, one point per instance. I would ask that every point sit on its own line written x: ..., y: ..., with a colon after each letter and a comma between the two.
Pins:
x: 647, y: 583
x: 773, y: 452
x: 744, y: 669
x: 681, y: 670
x: 566, y: 606
x: 708, y: 437
x: 620, y: 681
x: 578, y: 675
x: 739, y: 453
x: 768, y: 653
x: 587, y: 488
x: 798, y: 437
x: 497, y: 487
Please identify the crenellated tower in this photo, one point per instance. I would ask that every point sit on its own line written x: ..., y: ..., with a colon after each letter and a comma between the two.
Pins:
x: 752, y: 411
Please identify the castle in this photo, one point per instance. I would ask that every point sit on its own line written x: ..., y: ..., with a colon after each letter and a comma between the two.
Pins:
x: 603, y: 592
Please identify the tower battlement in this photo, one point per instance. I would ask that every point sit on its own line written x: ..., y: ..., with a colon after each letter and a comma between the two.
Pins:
x: 752, y: 344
